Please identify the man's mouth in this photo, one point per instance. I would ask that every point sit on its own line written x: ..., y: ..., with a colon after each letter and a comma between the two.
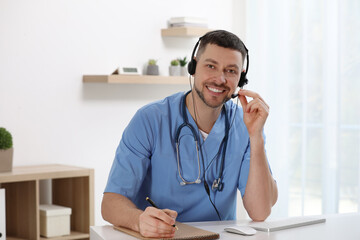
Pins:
x: 215, y: 90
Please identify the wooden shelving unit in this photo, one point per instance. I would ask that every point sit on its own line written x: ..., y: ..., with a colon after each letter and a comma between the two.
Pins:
x: 184, y: 32
x: 71, y: 187
x: 135, y: 79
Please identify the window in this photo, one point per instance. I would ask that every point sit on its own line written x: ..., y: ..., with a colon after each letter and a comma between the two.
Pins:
x: 304, y: 61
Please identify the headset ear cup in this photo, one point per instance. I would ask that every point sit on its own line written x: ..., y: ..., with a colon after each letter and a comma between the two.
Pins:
x: 192, y: 67
x: 243, y: 80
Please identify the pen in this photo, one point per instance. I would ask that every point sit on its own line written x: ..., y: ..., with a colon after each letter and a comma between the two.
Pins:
x: 154, y: 205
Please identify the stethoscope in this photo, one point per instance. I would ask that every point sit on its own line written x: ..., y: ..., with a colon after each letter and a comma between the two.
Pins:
x: 217, y: 185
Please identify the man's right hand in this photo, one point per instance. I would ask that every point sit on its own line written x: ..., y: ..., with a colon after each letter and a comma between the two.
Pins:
x: 157, y: 223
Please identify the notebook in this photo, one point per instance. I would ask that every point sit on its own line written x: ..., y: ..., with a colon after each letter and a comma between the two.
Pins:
x: 276, y: 225
x: 185, y: 232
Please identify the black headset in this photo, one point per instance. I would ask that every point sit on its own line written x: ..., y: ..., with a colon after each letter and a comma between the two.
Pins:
x: 243, y: 79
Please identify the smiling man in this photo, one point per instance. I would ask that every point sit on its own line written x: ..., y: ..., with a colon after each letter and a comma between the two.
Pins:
x: 191, y: 152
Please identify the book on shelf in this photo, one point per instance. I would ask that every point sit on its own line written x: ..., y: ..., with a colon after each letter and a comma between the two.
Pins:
x: 187, y: 22
x: 184, y: 24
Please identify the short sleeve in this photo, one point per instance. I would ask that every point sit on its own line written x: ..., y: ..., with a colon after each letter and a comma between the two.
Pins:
x: 132, y: 158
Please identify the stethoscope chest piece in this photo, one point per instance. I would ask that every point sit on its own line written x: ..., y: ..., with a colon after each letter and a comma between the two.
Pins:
x: 217, y: 185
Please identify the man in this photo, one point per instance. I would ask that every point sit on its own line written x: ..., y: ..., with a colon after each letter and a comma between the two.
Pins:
x: 174, y: 149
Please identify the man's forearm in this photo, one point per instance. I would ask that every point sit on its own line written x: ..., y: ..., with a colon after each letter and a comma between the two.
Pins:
x: 120, y: 211
x: 261, y: 190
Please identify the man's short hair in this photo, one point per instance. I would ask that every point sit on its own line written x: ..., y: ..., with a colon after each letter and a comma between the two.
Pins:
x: 223, y: 39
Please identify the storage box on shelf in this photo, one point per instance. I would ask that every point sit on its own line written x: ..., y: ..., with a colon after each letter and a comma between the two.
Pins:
x: 2, y: 214
x: 72, y: 187
x: 54, y: 220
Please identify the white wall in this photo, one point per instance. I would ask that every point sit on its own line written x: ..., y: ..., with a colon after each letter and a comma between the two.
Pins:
x: 46, y: 47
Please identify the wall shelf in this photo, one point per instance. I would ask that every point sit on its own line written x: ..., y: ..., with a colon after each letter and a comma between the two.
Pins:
x: 72, y: 187
x: 150, y: 79
x: 184, y: 32
x: 135, y: 79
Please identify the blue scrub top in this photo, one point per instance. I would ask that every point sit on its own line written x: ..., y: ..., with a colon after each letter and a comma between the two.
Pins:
x: 145, y: 163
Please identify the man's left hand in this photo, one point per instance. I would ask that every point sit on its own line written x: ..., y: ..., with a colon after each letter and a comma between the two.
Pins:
x: 255, y: 112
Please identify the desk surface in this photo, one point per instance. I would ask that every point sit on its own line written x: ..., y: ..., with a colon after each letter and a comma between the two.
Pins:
x: 339, y: 226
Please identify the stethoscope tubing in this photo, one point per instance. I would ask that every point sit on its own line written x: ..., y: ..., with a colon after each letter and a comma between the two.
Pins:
x: 217, y: 185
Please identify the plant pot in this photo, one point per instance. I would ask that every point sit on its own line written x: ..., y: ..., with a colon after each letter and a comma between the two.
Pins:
x: 184, y: 71
x: 6, y: 160
x: 152, y: 70
x: 174, y: 70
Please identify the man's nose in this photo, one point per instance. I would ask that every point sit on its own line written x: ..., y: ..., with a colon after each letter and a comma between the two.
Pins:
x: 220, y: 77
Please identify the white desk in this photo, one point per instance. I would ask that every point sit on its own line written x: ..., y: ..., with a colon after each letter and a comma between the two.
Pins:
x: 342, y: 226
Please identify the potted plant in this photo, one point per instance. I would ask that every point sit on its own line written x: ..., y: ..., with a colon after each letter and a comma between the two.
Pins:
x: 152, y: 68
x: 6, y: 151
x: 174, y: 69
x: 183, y: 68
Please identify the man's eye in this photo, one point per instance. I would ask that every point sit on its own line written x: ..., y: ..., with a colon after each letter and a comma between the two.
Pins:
x: 231, y: 71
x: 210, y: 66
